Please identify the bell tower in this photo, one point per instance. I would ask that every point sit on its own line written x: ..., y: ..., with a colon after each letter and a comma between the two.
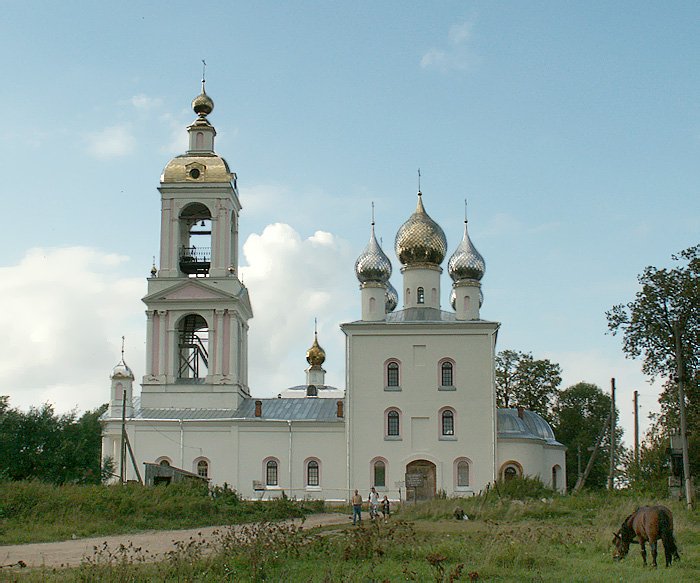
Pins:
x: 196, y: 307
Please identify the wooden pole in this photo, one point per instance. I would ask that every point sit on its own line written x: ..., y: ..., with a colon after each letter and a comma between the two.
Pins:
x: 611, y: 475
x: 681, y: 405
x: 582, y: 479
x: 636, y: 428
x: 122, y: 461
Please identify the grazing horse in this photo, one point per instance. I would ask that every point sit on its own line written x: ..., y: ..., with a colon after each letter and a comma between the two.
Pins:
x: 648, y: 523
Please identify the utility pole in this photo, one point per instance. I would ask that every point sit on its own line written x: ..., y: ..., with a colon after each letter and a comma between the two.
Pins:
x: 681, y: 406
x: 122, y: 465
x: 636, y: 428
x: 611, y: 476
x: 578, y: 462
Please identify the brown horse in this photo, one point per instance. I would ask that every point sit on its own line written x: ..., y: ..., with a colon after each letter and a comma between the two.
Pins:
x: 648, y: 523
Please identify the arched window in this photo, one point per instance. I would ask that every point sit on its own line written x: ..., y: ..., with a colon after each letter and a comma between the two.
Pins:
x: 193, y: 348
x: 462, y: 471
x: 420, y: 296
x: 393, y: 423
x: 203, y: 468
x: 447, y: 423
x: 511, y: 470
x: 313, y: 473
x: 446, y: 374
x: 163, y: 462
x: 379, y: 473
x: 271, y: 472
x: 392, y: 374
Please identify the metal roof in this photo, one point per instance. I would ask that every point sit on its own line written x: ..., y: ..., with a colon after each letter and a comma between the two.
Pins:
x: 530, y: 426
x: 307, y: 409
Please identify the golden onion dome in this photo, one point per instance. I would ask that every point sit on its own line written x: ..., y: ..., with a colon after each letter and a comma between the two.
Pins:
x: 391, y: 297
x: 420, y: 239
x: 373, y: 264
x: 466, y: 262
x: 315, y: 355
x: 203, y: 105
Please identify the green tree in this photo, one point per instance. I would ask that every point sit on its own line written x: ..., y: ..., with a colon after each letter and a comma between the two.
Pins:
x: 580, y: 414
x: 667, y: 306
x: 39, y: 444
x: 523, y: 381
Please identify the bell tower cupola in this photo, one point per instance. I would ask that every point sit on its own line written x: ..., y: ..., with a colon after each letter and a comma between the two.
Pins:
x: 197, y: 307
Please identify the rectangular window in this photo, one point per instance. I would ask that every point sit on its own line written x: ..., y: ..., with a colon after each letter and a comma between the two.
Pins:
x: 271, y: 474
x: 392, y: 424
x: 379, y: 475
x: 392, y: 374
x: 312, y: 474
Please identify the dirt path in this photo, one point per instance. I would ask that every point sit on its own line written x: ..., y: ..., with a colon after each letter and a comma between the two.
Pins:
x: 71, y: 552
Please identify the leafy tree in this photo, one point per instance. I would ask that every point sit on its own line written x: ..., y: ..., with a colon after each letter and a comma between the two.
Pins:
x: 580, y: 413
x: 523, y: 381
x: 666, y: 307
x: 39, y: 444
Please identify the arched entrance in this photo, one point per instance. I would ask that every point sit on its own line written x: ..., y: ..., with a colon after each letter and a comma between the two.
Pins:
x: 420, y: 480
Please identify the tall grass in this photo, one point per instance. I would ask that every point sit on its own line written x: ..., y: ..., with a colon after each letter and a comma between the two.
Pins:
x: 556, y: 538
x: 40, y: 512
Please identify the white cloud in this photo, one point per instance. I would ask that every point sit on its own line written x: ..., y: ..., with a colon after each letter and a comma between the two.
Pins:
x: 292, y: 281
x: 64, y: 311
x: 112, y: 142
x: 456, y: 56
x: 144, y: 102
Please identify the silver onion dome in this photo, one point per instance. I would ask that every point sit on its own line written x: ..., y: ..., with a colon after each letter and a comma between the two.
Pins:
x: 420, y: 239
x: 391, y: 297
x: 122, y: 371
x: 373, y: 264
x: 466, y: 262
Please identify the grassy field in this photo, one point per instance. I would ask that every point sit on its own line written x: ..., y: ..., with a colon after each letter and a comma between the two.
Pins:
x: 32, y: 512
x: 536, y: 539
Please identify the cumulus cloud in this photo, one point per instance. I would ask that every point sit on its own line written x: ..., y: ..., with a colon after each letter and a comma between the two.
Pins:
x: 112, y: 142
x: 293, y: 280
x: 456, y: 55
x: 64, y: 311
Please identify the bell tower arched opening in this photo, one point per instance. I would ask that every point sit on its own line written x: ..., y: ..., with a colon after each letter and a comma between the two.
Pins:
x: 195, y: 240
x: 193, y: 349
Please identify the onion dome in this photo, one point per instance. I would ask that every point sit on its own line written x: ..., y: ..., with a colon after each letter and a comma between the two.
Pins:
x: 420, y: 239
x: 391, y: 297
x: 122, y: 371
x: 203, y: 105
x: 373, y: 264
x: 466, y: 262
x: 315, y: 355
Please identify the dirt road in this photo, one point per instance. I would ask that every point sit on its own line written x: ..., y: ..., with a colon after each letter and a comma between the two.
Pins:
x: 71, y: 552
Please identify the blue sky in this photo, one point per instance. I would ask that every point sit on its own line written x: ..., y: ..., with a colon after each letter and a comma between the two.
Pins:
x: 572, y: 128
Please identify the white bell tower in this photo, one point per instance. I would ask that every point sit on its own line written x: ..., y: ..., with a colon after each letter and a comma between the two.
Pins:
x: 197, y: 308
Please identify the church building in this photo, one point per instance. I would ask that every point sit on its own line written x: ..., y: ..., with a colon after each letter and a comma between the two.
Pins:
x: 417, y: 416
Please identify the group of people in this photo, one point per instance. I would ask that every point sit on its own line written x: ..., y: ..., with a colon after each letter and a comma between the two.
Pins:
x: 375, y: 506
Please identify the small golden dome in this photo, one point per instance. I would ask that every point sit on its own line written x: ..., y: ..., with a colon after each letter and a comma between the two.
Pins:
x: 203, y: 105
x: 315, y: 355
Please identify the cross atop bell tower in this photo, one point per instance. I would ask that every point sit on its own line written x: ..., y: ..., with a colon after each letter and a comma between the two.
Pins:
x: 197, y: 308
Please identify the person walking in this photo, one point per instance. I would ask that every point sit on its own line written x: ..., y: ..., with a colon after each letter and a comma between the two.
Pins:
x: 386, y: 511
x: 373, y: 503
x: 356, y: 508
